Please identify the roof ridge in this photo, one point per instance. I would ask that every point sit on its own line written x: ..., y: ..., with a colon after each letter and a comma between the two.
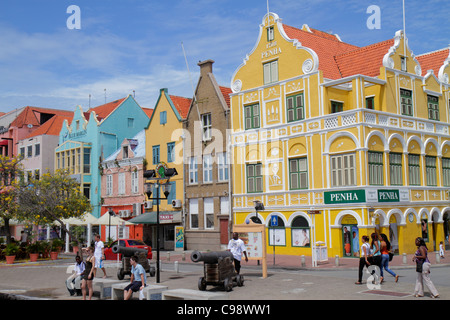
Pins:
x: 433, y: 52
x: 373, y: 45
x: 333, y: 38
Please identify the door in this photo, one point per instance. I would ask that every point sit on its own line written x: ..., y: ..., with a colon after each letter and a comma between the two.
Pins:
x: 350, y: 239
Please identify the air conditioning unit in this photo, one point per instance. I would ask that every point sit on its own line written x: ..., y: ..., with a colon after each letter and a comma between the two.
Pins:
x: 136, y: 209
x: 121, y: 213
x: 176, y: 203
x: 148, y: 205
x: 126, y: 213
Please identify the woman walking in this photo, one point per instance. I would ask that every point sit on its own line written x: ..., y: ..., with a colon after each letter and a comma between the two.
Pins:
x: 423, y: 270
x: 385, y: 248
x: 88, y: 274
x: 365, y: 250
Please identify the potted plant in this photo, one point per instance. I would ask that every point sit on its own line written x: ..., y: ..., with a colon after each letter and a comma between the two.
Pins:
x: 56, y: 248
x: 33, y: 250
x: 74, y: 244
x: 10, y: 252
x: 44, y: 248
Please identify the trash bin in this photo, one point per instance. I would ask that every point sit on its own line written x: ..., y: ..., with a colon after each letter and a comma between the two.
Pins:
x: 321, y: 252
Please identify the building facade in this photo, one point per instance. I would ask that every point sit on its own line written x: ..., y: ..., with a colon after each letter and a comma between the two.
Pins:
x: 164, y: 149
x: 206, y: 165
x: 339, y: 141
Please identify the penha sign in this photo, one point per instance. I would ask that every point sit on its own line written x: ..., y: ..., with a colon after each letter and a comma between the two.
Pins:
x: 347, y: 196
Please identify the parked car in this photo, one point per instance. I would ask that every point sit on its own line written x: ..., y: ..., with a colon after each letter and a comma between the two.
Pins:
x: 109, y: 255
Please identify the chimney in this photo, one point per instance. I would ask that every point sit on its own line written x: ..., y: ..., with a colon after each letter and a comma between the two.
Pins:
x: 205, y: 67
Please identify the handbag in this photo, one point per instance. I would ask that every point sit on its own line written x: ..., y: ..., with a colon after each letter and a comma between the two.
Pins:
x: 419, y: 265
x: 391, y: 255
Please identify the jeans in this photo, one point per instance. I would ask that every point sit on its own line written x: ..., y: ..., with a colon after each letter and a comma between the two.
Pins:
x: 385, y: 265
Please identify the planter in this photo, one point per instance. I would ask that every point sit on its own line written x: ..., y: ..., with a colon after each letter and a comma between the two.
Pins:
x: 34, y: 257
x: 75, y: 249
x: 53, y: 255
x: 10, y: 259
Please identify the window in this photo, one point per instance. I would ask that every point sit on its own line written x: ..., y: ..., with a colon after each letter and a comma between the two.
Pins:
x: 295, y: 108
x: 222, y: 166
x: 86, y: 160
x: 300, y: 232
x: 414, y: 169
x: 163, y: 117
x: 433, y: 108
x: 446, y: 172
x: 37, y: 174
x: 251, y: 114
x: 406, y: 102
x: 173, y: 192
x: 403, y: 63
x: 254, y: 178
x: 395, y: 169
x: 109, y: 184
x: 224, y: 205
x: 298, y: 174
x: 134, y: 182
x: 208, y: 211
x: 271, y: 72
x: 29, y: 151
x: 193, y: 213
x: 171, y: 152
x: 77, y: 124
x: 370, y: 104
x: 121, y: 188
x: 207, y: 168
x: 343, y: 170
x: 193, y: 170
x: 22, y: 151
x: 37, y: 150
x: 155, y: 155
x: 130, y: 122
x: 430, y: 169
x: 206, y: 126
x: 375, y: 168
x: 270, y: 34
x: 87, y: 190
x: 125, y: 152
x: 336, y: 106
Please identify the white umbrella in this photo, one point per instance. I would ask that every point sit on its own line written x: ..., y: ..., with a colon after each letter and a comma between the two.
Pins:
x: 84, y: 220
x: 115, y: 220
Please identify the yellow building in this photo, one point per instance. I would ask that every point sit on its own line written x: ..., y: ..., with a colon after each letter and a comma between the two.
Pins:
x: 164, y: 148
x: 339, y: 141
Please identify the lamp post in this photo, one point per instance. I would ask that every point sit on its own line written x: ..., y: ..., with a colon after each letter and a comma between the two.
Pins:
x: 111, y: 213
x: 157, y: 177
x: 258, y: 206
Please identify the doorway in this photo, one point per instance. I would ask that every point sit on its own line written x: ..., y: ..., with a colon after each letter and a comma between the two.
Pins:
x: 350, y: 237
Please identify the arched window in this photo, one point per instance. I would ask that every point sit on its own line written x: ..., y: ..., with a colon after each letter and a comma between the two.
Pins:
x: 300, y: 232
x: 277, y: 235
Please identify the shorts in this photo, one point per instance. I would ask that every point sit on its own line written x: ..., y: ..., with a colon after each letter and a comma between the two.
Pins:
x: 98, y: 262
x: 134, y: 286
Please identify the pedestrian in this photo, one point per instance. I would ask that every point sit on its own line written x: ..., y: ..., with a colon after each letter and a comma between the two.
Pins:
x: 385, y: 248
x: 363, y: 259
x: 73, y: 282
x: 423, y: 270
x: 138, y: 278
x: 441, y: 250
x: 375, y: 253
x: 88, y: 275
x: 99, y: 254
x: 237, y: 247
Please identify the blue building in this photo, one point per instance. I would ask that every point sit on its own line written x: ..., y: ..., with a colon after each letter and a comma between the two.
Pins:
x: 94, y: 135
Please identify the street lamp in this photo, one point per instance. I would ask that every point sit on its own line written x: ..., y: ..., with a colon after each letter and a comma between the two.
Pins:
x: 157, y: 177
x: 258, y: 206
x: 111, y: 213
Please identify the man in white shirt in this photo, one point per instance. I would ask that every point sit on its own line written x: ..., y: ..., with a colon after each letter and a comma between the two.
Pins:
x: 237, y: 247
x: 99, y: 254
x: 73, y: 282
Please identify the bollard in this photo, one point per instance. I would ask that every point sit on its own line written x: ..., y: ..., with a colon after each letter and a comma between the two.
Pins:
x: 183, y: 257
x: 303, y: 261
x: 176, y: 267
x: 404, y: 259
x: 168, y: 256
x: 438, y: 257
x: 336, y: 261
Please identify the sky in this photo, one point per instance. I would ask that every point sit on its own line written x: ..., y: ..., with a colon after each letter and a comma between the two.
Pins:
x: 140, y: 46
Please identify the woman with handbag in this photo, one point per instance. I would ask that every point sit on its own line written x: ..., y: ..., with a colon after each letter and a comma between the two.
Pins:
x: 423, y: 270
x: 385, y: 250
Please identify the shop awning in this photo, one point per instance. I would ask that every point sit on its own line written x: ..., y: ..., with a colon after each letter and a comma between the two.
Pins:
x: 150, y: 217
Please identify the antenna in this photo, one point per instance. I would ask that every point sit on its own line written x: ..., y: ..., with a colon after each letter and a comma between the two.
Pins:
x: 404, y: 30
x: 190, y: 79
x: 89, y: 100
x: 105, y: 96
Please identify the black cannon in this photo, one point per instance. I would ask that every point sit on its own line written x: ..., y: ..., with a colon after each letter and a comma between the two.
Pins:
x: 218, y: 270
x: 126, y: 253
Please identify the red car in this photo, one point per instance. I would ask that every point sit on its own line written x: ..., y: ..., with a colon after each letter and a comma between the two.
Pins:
x: 109, y: 255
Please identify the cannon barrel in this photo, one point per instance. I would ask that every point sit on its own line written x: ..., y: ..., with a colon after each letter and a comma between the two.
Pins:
x: 127, y: 251
x: 210, y: 257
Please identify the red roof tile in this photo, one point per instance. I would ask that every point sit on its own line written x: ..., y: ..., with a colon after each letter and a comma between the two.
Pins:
x: 51, y: 127
x: 226, y: 94
x: 106, y: 109
x: 148, y: 112
x: 31, y: 115
x: 433, y: 60
x: 366, y: 60
x: 324, y: 45
x: 181, y: 104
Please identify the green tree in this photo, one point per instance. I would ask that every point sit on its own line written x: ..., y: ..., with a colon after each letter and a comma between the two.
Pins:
x: 10, y: 169
x: 54, y: 197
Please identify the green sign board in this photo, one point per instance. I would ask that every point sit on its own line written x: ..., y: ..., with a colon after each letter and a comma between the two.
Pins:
x: 347, y: 196
x: 388, y: 195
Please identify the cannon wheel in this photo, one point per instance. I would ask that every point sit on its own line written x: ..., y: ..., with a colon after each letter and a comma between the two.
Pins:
x: 228, y: 284
x: 120, y: 274
x: 240, y: 280
x: 201, y: 284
